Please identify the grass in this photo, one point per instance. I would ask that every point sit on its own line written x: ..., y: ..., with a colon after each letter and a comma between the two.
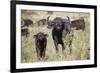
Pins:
x: 80, y: 41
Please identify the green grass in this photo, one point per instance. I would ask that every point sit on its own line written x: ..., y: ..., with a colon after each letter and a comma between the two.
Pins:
x: 80, y: 42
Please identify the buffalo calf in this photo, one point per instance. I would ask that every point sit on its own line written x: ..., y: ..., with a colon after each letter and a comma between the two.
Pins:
x: 40, y: 44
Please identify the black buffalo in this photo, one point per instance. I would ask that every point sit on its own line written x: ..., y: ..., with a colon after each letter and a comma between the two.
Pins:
x: 25, y: 32
x: 78, y: 24
x: 41, y: 22
x: 40, y: 44
x: 59, y: 25
x: 26, y: 22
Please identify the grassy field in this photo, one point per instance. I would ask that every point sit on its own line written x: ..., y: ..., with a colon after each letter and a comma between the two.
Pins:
x: 80, y: 41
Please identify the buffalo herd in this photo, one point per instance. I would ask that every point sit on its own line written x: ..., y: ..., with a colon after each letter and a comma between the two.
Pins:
x: 60, y: 28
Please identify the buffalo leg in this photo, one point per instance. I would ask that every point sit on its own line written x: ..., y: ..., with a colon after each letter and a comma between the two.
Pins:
x: 41, y: 53
x: 44, y: 53
x: 38, y: 53
x: 63, y: 47
x: 56, y: 46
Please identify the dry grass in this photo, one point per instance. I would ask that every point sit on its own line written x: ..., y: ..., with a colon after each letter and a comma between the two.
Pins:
x: 80, y: 43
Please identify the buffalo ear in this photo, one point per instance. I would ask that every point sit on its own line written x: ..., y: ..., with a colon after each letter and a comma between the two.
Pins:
x: 46, y: 35
x: 34, y: 36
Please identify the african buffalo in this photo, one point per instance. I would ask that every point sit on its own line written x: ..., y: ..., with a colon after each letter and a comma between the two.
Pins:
x: 78, y: 24
x: 59, y: 26
x: 41, y: 22
x: 25, y: 32
x: 40, y: 44
x: 26, y: 22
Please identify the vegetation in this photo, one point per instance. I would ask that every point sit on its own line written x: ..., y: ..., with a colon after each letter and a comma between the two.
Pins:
x: 80, y: 40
